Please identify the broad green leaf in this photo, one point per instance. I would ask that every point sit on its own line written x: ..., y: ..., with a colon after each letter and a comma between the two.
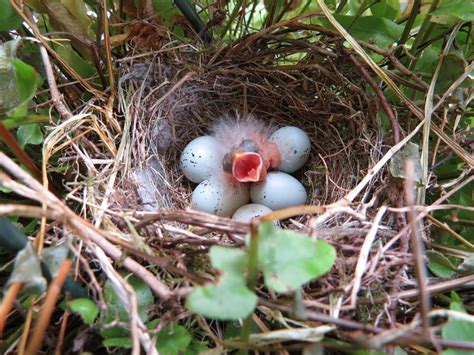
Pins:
x: 27, y: 270
x: 82, y: 67
x: 117, y: 311
x: 452, y: 68
x: 230, y: 260
x: 9, y: 96
x: 440, y: 265
x: 410, y: 151
x: 144, y: 299
x: 457, y: 329
x: 54, y: 257
x: 118, y: 342
x: 460, y: 9
x: 289, y: 259
x: 376, y: 29
x: 166, y: 10
x: 9, y: 19
x: 27, y: 80
x: 87, y: 309
x: 173, y: 339
x: 62, y: 19
x: 195, y: 348
x: 29, y: 134
x: 426, y: 63
x: 78, y: 10
x: 30, y: 228
x: 388, y: 9
x: 230, y: 299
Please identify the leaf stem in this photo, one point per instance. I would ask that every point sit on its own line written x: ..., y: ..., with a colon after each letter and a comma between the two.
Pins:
x: 408, y: 26
x: 251, y: 277
x: 424, y: 30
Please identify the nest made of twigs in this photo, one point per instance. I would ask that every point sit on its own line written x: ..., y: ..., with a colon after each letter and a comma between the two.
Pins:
x: 177, y: 95
x: 173, y: 95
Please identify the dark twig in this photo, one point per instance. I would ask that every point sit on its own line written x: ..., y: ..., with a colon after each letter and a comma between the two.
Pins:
x: 417, y: 247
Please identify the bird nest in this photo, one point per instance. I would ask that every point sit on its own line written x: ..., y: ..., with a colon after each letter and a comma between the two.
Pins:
x: 170, y: 96
x: 177, y: 96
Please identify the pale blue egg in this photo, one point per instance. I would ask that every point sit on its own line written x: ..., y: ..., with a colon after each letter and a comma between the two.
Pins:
x: 252, y: 210
x: 279, y: 190
x: 201, y: 159
x: 219, y: 197
x: 294, y: 146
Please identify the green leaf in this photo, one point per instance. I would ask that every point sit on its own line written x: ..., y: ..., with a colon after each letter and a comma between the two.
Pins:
x: 231, y: 260
x: 426, y: 63
x: 9, y: 19
x: 196, y: 348
x: 29, y: 134
x: 9, y: 96
x: 117, y: 311
x: 457, y: 329
x: 27, y: 80
x: 54, y: 257
x: 461, y: 9
x: 376, y: 29
x: 65, y: 16
x: 118, y: 342
x: 173, y: 339
x: 166, y: 10
x: 388, y: 9
x: 452, y: 68
x: 87, y: 309
x: 230, y: 299
x: 82, y: 67
x: 78, y: 10
x: 30, y: 228
x: 440, y: 265
x: 289, y: 259
x: 27, y: 270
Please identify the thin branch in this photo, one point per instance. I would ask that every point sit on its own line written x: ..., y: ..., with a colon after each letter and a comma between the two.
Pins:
x: 417, y: 247
x: 55, y: 94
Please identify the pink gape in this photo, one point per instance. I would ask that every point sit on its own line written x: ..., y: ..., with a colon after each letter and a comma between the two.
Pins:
x: 251, y: 159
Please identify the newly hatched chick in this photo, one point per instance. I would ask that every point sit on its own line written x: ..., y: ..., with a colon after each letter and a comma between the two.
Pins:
x: 238, y: 151
x: 248, y: 151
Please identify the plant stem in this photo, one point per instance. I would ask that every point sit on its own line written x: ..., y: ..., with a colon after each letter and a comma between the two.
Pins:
x: 423, y: 32
x: 251, y: 278
x: 232, y: 17
x: 408, y: 26
x: 16, y: 122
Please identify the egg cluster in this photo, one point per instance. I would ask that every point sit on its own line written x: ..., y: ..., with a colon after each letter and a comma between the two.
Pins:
x: 217, y: 193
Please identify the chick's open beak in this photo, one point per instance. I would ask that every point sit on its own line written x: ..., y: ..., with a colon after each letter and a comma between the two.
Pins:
x: 247, y: 166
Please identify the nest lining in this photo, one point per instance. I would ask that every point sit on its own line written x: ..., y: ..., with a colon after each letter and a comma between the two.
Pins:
x: 178, y: 96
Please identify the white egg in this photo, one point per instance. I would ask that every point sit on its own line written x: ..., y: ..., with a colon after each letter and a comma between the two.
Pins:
x: 294, y: 145
x: 247, y: 212
x: 277, y: 191
x: 219, y: 197
x: 200, y: 158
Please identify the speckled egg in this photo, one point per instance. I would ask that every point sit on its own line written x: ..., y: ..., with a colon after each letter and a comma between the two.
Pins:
x: 219, y: 197
x: 247, y: 212
x: 294, y: 146
x: 277, y: 191
x: 200, y: 158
